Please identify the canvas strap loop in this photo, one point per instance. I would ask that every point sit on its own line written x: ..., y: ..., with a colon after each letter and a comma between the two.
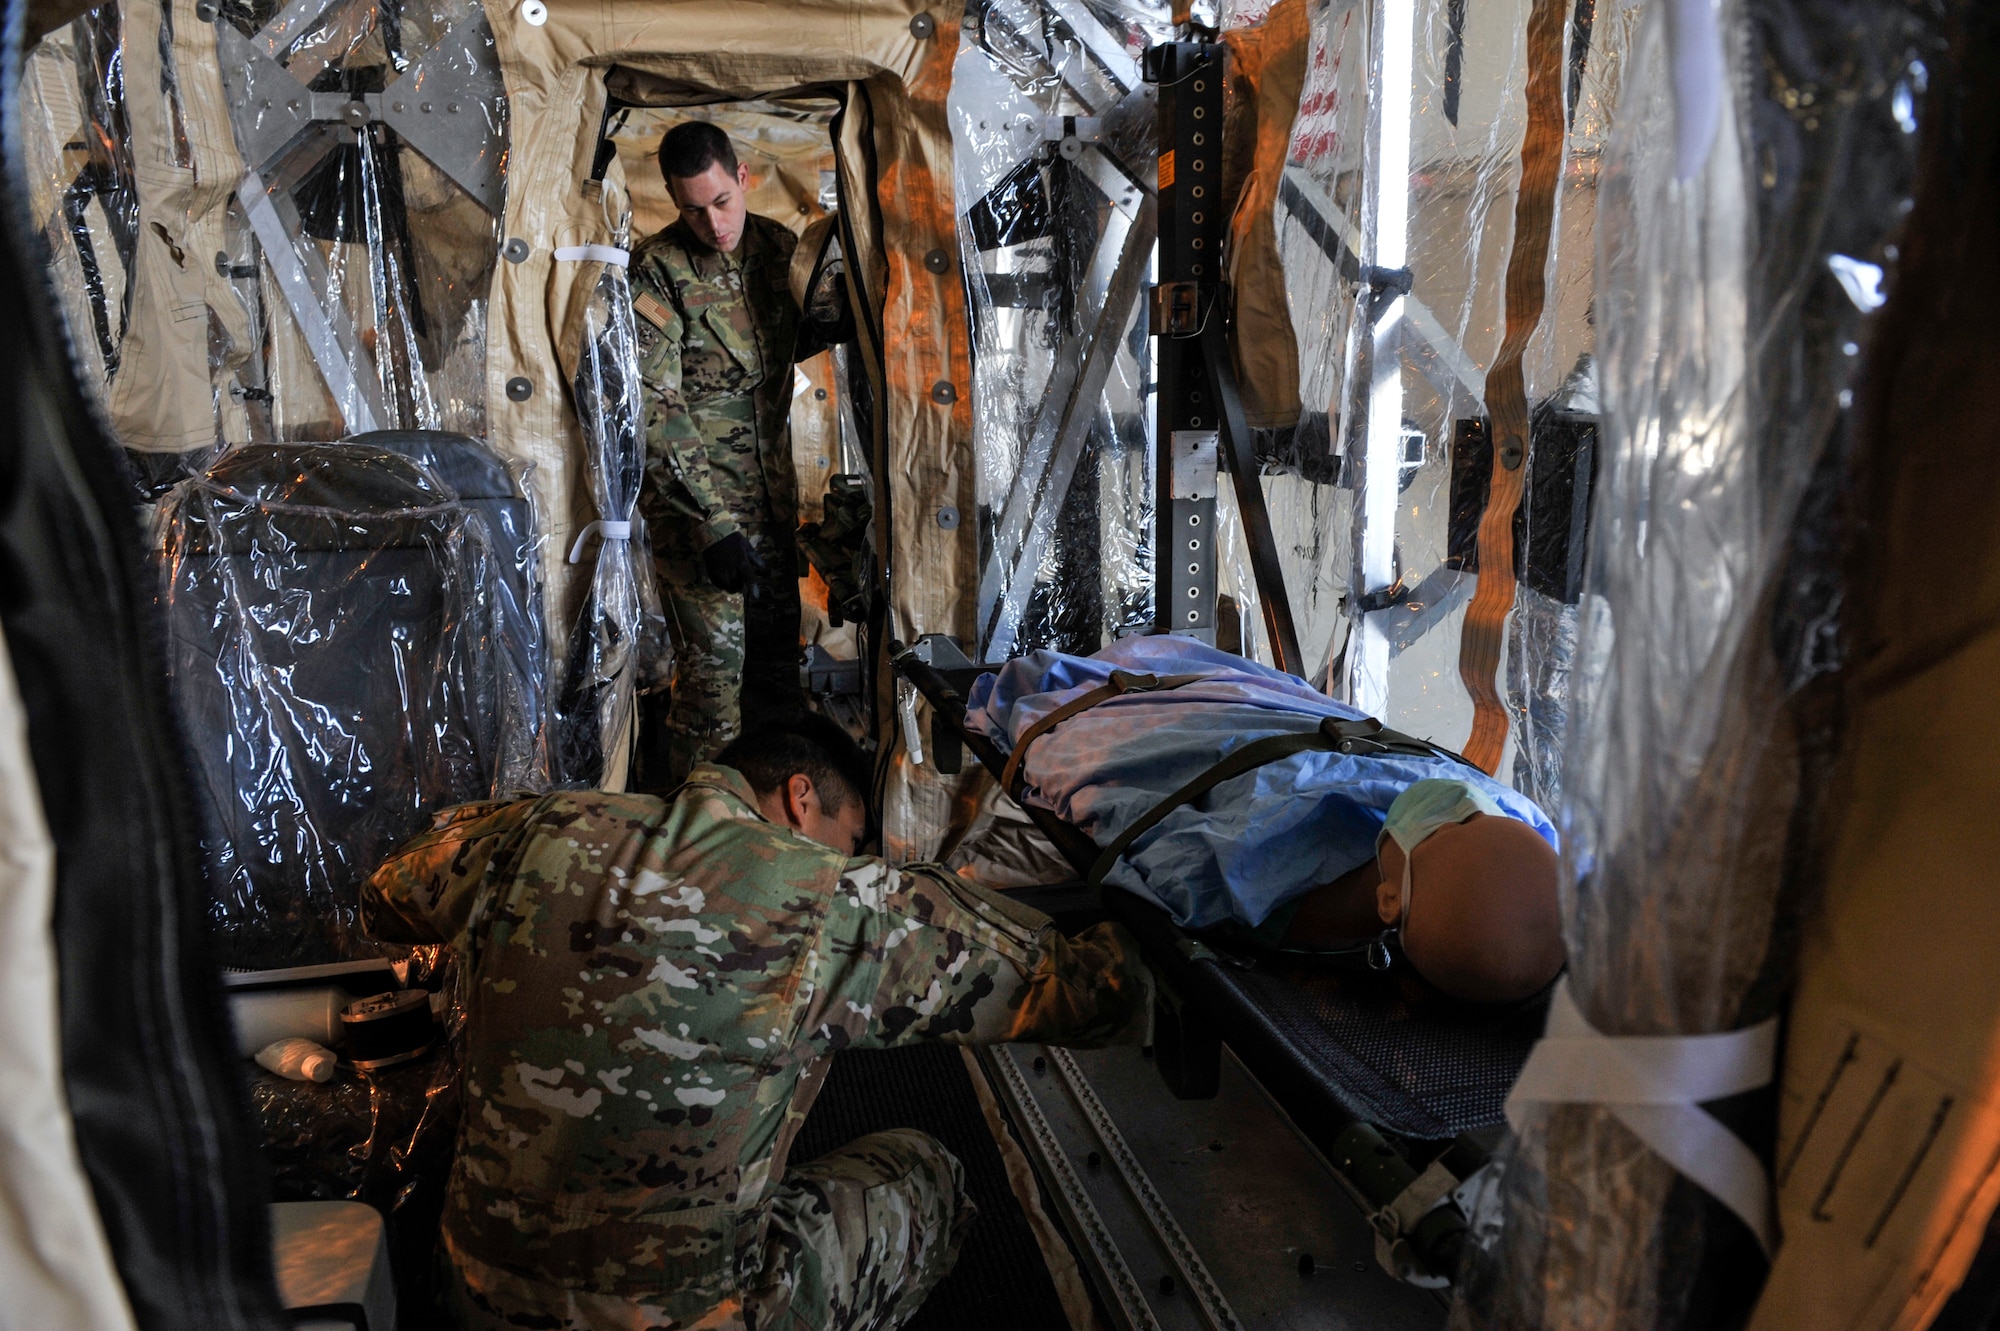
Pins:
x: 1394, y: 1222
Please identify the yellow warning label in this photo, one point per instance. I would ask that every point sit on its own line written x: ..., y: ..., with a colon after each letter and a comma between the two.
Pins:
x: 1166, y: 170
x: 648, y: 307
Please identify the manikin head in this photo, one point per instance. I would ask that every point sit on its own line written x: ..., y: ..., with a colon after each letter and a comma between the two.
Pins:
x: 808, y: 775
x: 707, y: 183
x: 1482, y: 921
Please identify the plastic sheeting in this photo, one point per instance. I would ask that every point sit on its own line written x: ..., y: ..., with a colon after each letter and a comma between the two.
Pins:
x: 1733, y: 294
x: 384, y: 1138
x: 1047, y: 137
x: 1057, y: 225
x: 618, y: 643
x: 1396, y: 235
x: 272, y: 232
x: 344, y: 664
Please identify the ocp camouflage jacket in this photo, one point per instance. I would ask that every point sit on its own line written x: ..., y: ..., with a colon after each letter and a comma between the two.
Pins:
x: 654, y: 991
x: 717, y: 333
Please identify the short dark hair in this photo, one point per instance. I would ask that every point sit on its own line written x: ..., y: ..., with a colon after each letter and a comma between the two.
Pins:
x: 691, y: 147
x: 807, y: 745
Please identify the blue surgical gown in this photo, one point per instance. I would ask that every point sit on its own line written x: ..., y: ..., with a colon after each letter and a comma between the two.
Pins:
x: 1253, y: 843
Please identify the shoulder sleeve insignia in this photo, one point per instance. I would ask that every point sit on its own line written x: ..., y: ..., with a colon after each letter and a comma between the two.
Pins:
x: 648, y: 307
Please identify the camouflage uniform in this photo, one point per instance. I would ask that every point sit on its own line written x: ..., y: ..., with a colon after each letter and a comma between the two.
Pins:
x: 655, y: 990
x: 717, y: 333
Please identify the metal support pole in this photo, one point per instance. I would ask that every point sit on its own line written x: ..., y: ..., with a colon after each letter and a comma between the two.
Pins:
x: 1193, y: 220
x: 1243, y: 472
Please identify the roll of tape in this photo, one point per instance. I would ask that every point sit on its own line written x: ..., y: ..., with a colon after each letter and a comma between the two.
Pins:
x: 388, y: 1029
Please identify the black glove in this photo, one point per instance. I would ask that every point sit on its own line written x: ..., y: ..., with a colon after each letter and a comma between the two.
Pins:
x: 733, y: 563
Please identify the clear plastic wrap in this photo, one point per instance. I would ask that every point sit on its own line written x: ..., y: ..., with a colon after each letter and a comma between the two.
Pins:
x: 383, y: 1136
x: 1398, y: 213
x: 80, y: 175
x: 1057, y: 227
x: 344, y: 663
x: 307, y: 253
x: 618, y: 643
x: 1698, y: 738
x: 500, y: 496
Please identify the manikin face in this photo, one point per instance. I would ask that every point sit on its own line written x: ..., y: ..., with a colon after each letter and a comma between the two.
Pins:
x: 713, y: 204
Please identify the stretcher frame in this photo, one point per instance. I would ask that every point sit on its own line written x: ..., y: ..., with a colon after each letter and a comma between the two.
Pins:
x: 1205, y: 1002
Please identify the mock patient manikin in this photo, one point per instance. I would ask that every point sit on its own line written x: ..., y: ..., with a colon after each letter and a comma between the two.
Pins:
x: 1318, y: 850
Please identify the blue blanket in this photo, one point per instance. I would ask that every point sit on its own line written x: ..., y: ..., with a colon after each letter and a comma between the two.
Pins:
x: 1251, y: 844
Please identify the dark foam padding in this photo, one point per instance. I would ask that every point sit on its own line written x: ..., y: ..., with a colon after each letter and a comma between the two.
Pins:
x: 1001, y: 1281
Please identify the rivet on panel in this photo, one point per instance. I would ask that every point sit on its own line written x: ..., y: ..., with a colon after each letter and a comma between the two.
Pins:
x: 516, y: 250
x: 519, y: 389
x: 943, y: 393
x: 947, y: 518
x: 937, y: 261
x: 922, y: 27
x: 1512, y: 454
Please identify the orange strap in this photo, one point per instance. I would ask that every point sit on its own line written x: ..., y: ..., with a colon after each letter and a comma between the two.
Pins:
x: 1506, y: 387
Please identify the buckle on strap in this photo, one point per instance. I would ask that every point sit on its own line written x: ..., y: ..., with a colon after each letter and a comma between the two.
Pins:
x: 1347, y: 736
x: 1369, y: 737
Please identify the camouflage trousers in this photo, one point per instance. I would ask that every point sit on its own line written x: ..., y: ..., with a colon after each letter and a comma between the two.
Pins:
x: 856, y: 1242
x: 734, y: 652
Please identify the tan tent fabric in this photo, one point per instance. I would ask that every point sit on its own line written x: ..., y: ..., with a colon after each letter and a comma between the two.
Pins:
x: 894, y: 153
x: 185, y: 161
x: 1267, y: 71
x: 1888, y: 1159
x: 55, y: 1265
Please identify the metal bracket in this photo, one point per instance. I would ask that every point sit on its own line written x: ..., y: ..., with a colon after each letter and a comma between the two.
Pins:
x: 1384, y: 285
x: 343, y: 361
x: 450, y: 106
x: 1176, y: 309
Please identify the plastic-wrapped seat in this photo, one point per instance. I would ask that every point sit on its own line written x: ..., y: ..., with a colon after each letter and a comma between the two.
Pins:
x: 344, y: 664
x: 490, y: 488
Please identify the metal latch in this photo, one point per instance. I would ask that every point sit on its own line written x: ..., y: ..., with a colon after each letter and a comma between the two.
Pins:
x: 1176, y: 310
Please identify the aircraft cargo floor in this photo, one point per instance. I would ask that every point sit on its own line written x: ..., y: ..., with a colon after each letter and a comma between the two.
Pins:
x: 1176, y: 1213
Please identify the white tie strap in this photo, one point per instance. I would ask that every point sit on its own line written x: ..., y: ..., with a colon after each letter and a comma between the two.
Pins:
x: 604, y: 530
x: 1655, y: 1085
x: 610, y: 254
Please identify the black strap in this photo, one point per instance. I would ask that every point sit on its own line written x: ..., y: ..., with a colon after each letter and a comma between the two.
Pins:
x: 1334, y: 735
x: 1121, y: 683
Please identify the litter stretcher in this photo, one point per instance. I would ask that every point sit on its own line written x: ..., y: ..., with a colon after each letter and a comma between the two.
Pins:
x: 1400, y: 1088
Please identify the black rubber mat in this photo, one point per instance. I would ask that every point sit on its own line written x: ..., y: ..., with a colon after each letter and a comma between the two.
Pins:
x: 1383, y: 1048
x: 1414, y: 1064
x: 1001, y: 1281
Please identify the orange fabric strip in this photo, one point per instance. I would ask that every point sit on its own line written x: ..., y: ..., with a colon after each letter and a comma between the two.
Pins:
x: 1506, y: 387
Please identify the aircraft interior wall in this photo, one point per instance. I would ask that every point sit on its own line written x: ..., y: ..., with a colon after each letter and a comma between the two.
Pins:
x: 1553, y: 323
